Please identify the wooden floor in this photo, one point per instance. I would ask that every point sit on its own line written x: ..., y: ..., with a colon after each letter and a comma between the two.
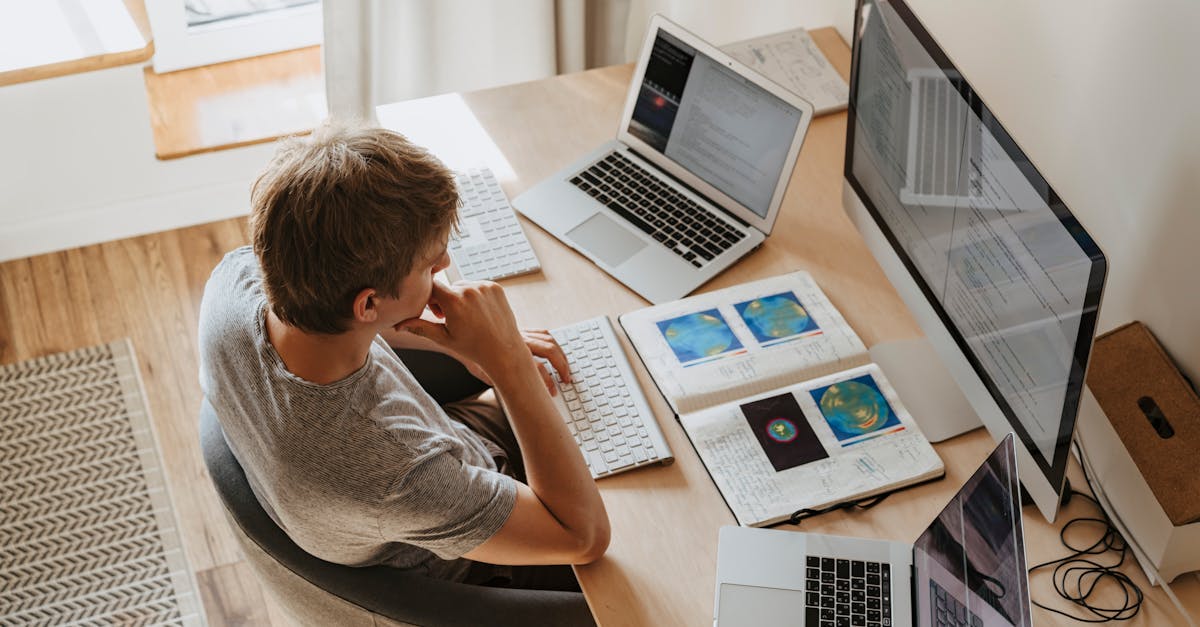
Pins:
x: 148, y: 289
x: 236, y: 103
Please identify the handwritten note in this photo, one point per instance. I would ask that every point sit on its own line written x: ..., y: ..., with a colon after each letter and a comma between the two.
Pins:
x: 759, y: 494
x: 793, y: 60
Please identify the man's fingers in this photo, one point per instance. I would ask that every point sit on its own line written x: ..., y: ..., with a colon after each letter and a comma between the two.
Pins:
x: 546, y: 378
x: 543, y: 345
x: 440, y: 295
x: 426, y: 329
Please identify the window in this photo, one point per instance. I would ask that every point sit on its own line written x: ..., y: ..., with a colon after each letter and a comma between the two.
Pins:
x: 189, y: 33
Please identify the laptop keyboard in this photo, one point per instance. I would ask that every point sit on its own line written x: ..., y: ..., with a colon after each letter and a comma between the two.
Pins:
x: 678, y: 222
x: 947, y: 611
x: 847, y: 593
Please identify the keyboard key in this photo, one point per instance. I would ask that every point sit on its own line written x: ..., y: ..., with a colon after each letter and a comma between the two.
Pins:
x: 595, y: 460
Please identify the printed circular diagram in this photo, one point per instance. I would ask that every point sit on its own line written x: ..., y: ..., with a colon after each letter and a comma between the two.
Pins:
x: 782, y: 430
x: 697, y: 336
x: 854, y: 408
x: 776, y: 316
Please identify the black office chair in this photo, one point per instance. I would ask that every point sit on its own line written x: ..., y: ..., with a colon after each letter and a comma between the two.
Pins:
x: 317, y: 592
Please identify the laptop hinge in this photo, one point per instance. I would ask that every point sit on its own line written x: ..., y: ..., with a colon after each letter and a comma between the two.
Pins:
x: 684, y: 185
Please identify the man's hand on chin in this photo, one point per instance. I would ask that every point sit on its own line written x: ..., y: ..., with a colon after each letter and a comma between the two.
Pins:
x: 400, y: 338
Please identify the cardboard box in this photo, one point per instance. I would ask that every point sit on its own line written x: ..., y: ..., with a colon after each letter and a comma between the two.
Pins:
x: 1139, y: 430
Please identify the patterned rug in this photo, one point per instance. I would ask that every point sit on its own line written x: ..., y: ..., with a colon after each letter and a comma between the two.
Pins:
x: 87, y: 531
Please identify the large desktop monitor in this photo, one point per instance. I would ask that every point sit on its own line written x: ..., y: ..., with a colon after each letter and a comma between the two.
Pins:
x: 1002, y: 278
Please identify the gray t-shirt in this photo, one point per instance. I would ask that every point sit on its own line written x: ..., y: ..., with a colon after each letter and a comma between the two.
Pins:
x: 367, y: 470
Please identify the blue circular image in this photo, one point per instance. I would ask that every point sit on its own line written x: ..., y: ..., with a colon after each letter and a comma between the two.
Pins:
x: 782, y: 430
x: 854, y: 408
x: 776, y: 316
x: 699, y: 335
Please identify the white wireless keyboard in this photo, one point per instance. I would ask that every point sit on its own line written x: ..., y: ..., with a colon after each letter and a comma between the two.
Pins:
x: 603, y: 406
x: 489, y: 244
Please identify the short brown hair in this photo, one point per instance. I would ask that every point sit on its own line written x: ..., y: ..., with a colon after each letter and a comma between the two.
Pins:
x: 346, y: 208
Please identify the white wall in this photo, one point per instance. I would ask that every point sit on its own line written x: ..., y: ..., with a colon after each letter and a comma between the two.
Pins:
x: 1103, y: 96
x: 77, y: 166
x: 725, y: 21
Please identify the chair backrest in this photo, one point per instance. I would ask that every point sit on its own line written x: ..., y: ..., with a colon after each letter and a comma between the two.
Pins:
x: 377, y: 590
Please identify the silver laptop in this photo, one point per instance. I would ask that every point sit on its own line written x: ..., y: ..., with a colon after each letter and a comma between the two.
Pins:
x: 693, y: 180
x: 966, y: 569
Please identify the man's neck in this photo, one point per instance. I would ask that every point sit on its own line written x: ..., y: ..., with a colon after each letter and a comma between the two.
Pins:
x: 320, y: 359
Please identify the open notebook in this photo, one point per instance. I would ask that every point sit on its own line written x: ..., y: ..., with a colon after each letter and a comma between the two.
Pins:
x: 779, y: 398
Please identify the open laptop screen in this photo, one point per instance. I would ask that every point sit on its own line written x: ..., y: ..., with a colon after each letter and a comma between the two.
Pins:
x: 719, y: 126
x: 970, y: 562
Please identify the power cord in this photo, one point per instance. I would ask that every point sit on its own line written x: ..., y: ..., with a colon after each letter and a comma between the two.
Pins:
x: 1078, y: 576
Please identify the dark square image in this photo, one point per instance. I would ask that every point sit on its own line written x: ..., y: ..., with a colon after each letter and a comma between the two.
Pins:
x: 783, y: 431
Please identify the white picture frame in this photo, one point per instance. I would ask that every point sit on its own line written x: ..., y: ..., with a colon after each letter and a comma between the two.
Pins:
x: 178, y: 46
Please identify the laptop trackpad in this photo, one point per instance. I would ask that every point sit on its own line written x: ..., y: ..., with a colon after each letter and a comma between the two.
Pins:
x: 606, y: 239
x: 752, y: 606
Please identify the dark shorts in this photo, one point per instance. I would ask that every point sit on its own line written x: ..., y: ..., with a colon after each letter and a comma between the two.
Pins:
x: 471, y: 402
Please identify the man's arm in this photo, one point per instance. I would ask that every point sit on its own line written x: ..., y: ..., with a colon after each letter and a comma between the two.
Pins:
x: 559, y: 517
x: 538, y: 341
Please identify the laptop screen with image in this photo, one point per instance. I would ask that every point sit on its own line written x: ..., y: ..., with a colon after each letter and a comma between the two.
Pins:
x: 970, y: 562
x: 719, y: 126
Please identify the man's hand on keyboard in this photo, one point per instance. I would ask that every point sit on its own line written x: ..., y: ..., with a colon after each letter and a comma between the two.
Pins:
x: 545, y: 349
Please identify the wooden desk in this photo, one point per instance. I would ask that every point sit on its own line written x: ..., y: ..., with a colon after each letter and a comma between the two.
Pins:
x: 660, y: 567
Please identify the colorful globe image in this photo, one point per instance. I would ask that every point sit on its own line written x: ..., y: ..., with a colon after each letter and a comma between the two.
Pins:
x: 781, y: 430
x: 775, y: 317
x: 698, y: 336
x: 854, y: 408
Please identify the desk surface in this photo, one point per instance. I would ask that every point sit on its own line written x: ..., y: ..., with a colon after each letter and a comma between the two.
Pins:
x: 661, y: 566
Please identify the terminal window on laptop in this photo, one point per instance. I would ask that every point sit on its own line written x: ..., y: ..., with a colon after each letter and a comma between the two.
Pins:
x: 966, y: 569
x: 695, y: 177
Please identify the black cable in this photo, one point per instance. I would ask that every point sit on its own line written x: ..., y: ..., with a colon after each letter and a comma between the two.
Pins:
x: 1076, y: 577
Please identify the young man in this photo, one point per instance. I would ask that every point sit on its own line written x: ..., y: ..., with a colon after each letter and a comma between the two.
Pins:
x: 341, y: 445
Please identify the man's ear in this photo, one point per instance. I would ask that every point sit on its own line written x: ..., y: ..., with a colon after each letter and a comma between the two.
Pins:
x: 366, y: 305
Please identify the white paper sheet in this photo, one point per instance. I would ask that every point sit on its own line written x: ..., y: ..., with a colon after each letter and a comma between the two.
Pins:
x: 793, y: 60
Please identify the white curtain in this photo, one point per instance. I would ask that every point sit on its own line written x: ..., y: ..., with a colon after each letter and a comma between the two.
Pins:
x: 380, y: 51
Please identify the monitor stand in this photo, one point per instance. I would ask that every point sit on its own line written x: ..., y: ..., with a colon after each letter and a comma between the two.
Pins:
x: 926, y: 388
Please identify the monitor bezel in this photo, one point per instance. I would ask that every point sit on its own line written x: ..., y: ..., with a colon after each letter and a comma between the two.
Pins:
x: 1055, y: 468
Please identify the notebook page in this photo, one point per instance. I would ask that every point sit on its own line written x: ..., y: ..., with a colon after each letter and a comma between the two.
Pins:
x: 837, y: 438
x: 723, y: 345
